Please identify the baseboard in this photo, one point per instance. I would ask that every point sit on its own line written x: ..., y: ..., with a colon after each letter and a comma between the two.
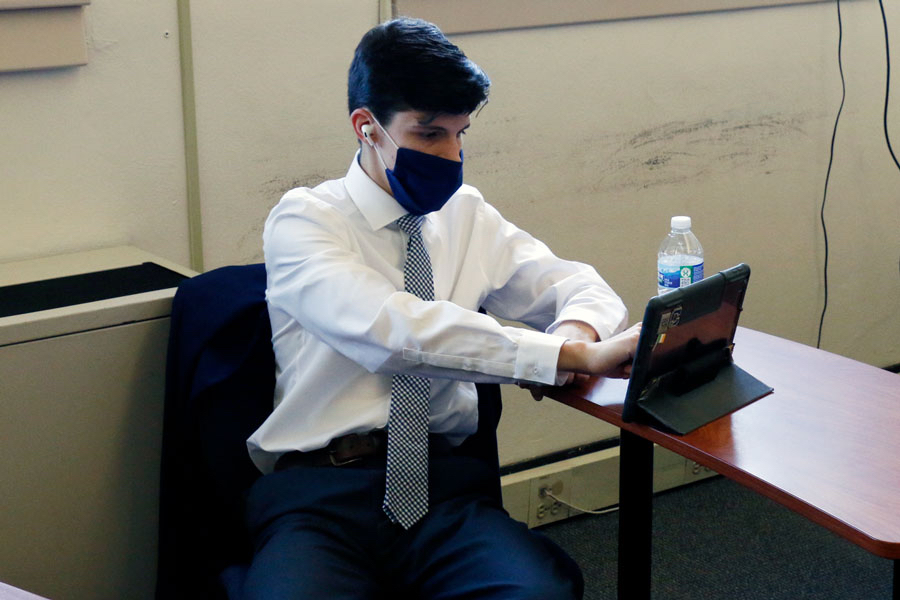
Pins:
x: 588, y: 481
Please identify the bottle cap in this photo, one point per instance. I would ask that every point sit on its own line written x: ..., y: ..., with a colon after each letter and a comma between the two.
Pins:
x: 681, y: 222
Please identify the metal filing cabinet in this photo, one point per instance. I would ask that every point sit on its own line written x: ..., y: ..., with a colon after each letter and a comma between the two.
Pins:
x: 81, y: 402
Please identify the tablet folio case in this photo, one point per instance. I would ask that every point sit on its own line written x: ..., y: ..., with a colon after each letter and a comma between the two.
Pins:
x: 683, y: 375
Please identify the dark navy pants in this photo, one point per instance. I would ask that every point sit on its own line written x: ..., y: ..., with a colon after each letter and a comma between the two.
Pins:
x: 319, y: 532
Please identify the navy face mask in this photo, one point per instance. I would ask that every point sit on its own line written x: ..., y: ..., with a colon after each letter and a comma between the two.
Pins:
x: 421, y: 182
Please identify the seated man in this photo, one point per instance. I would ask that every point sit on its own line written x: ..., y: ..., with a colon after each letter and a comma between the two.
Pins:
x: 374, y: 286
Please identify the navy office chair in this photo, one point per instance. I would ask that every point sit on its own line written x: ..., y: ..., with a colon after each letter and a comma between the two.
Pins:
x: 220, y: 378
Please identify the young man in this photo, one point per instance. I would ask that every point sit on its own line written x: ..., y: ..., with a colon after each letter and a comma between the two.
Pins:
x: 374, y: 286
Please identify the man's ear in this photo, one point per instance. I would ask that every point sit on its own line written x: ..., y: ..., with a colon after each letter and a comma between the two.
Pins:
x: 363, y: 125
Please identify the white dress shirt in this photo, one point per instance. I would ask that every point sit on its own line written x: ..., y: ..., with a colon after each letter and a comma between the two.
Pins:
x: 342, y: 324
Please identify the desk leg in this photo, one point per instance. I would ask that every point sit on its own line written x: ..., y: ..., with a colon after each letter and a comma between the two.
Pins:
x: 635, y: 516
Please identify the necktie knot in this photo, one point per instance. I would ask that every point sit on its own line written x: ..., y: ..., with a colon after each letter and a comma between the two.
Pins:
x: 410, y: 224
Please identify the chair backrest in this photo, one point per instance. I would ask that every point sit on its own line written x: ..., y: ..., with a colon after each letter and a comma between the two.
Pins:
x: 220, y: 380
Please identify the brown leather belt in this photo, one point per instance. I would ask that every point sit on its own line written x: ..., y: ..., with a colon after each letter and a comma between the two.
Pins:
x: 340, y: 451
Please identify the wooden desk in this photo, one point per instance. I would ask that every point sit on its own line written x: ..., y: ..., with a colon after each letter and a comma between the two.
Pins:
x: 826, y: 444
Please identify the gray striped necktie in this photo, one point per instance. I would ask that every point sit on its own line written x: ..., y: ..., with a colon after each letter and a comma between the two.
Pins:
x: 406, y: 484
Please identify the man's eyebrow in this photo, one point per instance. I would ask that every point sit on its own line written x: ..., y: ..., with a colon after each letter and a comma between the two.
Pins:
x: 424, y: 125
x: 428, y: 118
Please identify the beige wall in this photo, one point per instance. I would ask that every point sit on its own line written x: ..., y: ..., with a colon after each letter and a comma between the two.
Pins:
x: 93, y: 156
x: 595, y: 135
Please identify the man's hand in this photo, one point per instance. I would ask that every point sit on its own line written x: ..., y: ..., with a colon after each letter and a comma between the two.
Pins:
x: 608, y: 358
x: 583, y: 356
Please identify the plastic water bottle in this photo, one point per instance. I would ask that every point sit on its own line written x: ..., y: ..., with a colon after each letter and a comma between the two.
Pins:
x: 680, y: 258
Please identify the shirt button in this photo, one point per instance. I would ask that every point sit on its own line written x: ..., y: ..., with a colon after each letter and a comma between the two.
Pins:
x: 535, y: 370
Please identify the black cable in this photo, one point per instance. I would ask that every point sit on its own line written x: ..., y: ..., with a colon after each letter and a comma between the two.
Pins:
x: 887, y: 89
x: 828, y: 172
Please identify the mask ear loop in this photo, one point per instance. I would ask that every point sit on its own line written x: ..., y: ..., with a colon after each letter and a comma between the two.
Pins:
x: 375, y: 147
x: 377, y: 122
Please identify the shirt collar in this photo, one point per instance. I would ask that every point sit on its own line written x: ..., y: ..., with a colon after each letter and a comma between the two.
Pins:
x: 377, y: 207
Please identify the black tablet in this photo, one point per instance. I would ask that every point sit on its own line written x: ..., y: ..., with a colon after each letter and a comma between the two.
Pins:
x: 683, y: 375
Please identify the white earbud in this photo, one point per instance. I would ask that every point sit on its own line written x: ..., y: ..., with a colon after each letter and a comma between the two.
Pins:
x: 367, y: 131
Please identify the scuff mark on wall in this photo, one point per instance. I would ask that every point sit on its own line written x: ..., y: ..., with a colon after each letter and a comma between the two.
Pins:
x: 276, y: 187
x: 679, y: 151
x: 247, y: 248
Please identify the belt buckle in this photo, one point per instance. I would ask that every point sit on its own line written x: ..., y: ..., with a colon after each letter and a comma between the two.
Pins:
x: 339, y: 462
x: 349, y: 449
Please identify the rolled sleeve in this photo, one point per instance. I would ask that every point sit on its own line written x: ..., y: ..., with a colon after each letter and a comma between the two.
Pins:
x: 606, y: 323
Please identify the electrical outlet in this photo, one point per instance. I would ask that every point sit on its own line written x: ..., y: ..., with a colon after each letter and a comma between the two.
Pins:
x: 694, y: 471
x: 542, y: 507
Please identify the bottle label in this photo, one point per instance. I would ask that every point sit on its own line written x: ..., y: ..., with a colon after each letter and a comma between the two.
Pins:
x: 674, y: 276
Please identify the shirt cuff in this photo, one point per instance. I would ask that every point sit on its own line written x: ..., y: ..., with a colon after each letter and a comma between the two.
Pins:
x: 537, y: 357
